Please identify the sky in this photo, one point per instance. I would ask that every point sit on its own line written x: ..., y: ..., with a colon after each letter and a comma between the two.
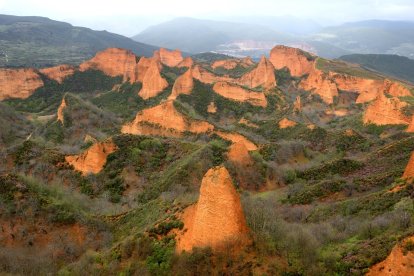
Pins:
x: 129, y: 17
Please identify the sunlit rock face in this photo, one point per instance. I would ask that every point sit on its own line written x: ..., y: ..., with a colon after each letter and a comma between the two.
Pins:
x: 184, y: 84
x: 169, y: 58
x: 152, y: 83
x: 297, y: 61
x: 237, y: 93
x: 18, y: 83
x: 263, y: 75
x: 58, y: 73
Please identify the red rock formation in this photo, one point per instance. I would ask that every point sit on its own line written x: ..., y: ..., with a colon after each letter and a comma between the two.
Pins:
x: 18, y: 83
x: 230, y: 64
x: 263, y: 75
x: 164, y: 120
x: 385, y: 111
x: 217, y: 219
x: 239, y: 154
x: 409, y: 169
x: 297, y: 105
x: 320, y: 83
x: 286, y: 123
x: 187, y: 62
x: 93, y: 159
x: 236, y: 138
x: 297, y: 61
x: 211, y: 108
x: 396, y: 89
x: 58, y: 73
x: 62, y: 106
x: 245, y: 122
x: 113, y: 62
x: 152, y: 82
x: 205, y: 76
x: 237, y: 93
x: 410, y: 127
x: 184, y: 84
x: 397, y: 263
x: 169, y: 58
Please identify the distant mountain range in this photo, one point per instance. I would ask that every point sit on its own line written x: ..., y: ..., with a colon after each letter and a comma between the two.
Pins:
x: 254, y: 36
x: 39, y: 42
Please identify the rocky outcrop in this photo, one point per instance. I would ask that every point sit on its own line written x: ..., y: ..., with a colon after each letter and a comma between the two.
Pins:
x: 245, y: 122
x: 286, y: 123
x: 321, y: 84
x: 396, y: 89
x: 410, y: 127
x: 184, y: 84
x: 18, y: 83
x: 211, y: 108
x: 297, y: 105
x: 169, y: 58
x: 93, y: 159
x: 164, y: 120
x: 114, y: 62
x: 297, y: 61
x: 58, y: 73
x: 239, y: 154
x: 230, y: 64
x: 237, y: 93
x: 204, y: 76
x: 217, y: 219
x: 236, y: 138
x: 152, y: 83
x: 263, y: 75
x: 61, y: 108
x: 409, y: 169
x: 398, y: 262
x: 386, y: 110
x: 187, y: 62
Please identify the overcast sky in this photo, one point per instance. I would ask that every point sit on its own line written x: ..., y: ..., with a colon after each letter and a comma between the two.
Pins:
x: 128, y: 17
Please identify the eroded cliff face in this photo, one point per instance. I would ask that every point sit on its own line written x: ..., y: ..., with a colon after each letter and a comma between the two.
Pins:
x: 205, y: 76
x: 93, y: 159
x: 239, y: 154
x: 169, y: 58
x: 319, y: 83
x: 58, y: 73
x: 286, y: 123
x: 236, y: 138
x: 212, y: 108
x: 18, y: 83
x: 386, y: 110
x: 397, y: 263
x: 409, y: 169
x: 263, y: 75
x: 61, y: 108
x: 184, y: 84
x: 217, y: 219
x: 297, y: 105
x: 152, y: 83
x: 237, y: 93
x: 187, y: 62
x: 298, y: 62
x: 113, y: 62
x: 164, y: 120
x: 230, y: 64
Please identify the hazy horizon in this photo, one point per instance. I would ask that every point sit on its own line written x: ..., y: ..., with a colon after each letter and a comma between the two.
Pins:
x: 128, y: 17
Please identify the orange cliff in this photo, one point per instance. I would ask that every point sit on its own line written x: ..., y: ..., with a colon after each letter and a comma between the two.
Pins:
x: 114, y: 62
x: 18, y: 83
x: 152, y: 83
x: 230, y: 64
x: 236, y: 138
x: 297, y: 61
x: 386, y: 110
x: 286, y: 123
x: 398, y: 262
x: 409, y: 169
x: 164, y: 120
x: 60, y: 115
x: 58, y: 73
x: 263, y: 75
x: 319, y: 83
x: 237, y: 93
x: 93, y: 159
x: 239, y: 154
x: 169, y: 58
x: 184, y: 84
x: 205, y: 76
x: 217, y: 219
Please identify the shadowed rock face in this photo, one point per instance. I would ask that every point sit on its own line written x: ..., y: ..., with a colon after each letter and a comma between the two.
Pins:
x: 386, y: 111
x: 58, y: 73
x: 184, y: 84
x: 164, y: 120
x: 205, y: 76
x: 237, y: 93
x: 263, y: 75
x: 409, y: 169
x: 18, y: 83
x: 217, y: 218
x: 295, y: 60
x: 169, y: 58
x: 60, y: 115
x: 187, y: 62
x: 152, y: 82
x: 93, y: 159
x: 113, y: 62
x: 397, y: 263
